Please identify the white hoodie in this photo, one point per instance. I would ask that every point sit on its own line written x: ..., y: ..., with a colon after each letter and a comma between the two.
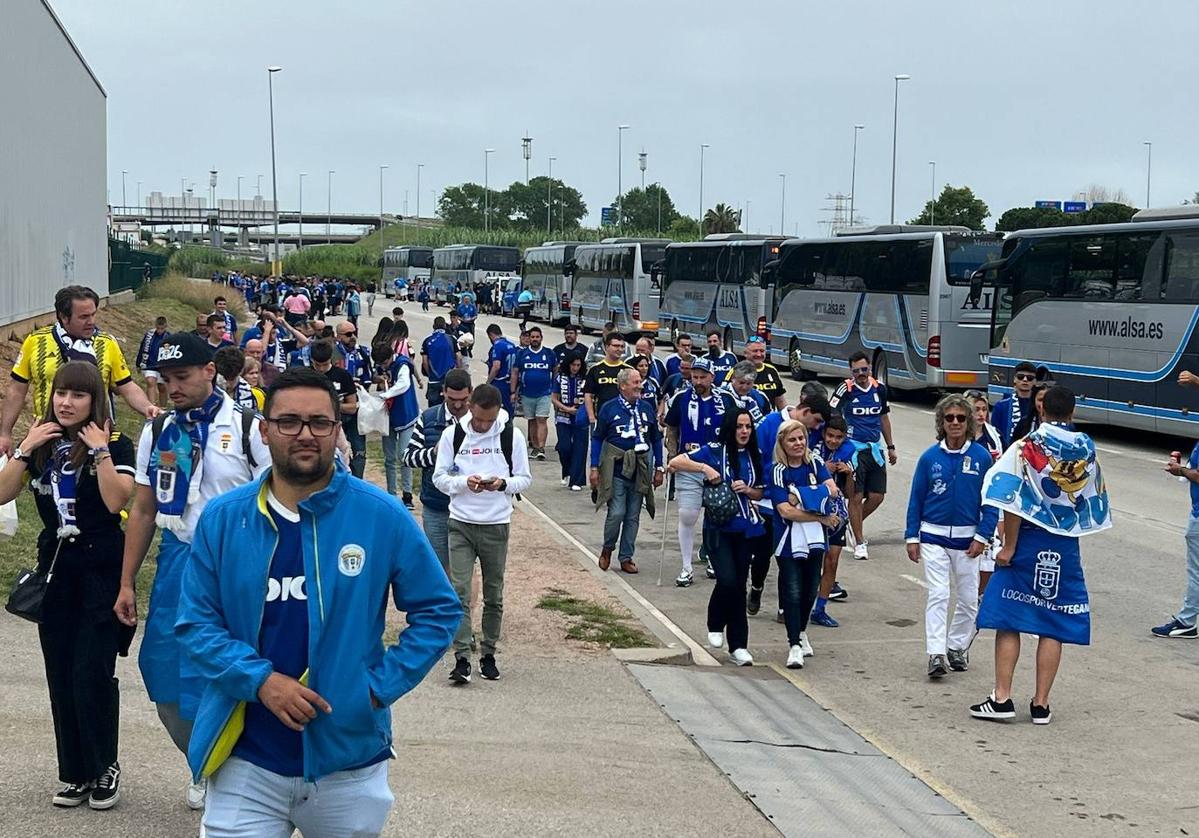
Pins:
x: 481, y: 455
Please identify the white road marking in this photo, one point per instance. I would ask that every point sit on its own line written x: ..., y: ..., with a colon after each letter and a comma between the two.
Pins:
x: 914, y: 580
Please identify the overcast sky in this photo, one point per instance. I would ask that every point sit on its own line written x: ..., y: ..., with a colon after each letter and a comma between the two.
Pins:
x: 1019, y: 100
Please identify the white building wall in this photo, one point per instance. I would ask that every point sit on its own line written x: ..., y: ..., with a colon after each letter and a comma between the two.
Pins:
x: 52, y: 164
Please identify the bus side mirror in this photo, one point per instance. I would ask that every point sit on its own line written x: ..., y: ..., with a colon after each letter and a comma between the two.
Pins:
x: 568, y: 269
x: 769, y: 270
x: 976, y: 287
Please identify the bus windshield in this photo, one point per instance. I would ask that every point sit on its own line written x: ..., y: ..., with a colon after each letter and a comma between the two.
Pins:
x: 652, y: 254
x: 966, y: 254
x: 496, y: 258
x: 420, y: 258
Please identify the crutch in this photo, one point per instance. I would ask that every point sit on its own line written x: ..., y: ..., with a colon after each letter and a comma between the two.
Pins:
x: 665, y: 518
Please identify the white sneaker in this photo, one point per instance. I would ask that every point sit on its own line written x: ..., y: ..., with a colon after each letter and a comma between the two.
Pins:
x: 196, y: 792
x: 795, y: 658
x: 805, y: 645
x: 715, y: 639
x: 566, y: 481
x: 742, y: 657
x: 576, y: 488
x: 860, y: 551
x: 684, y: 580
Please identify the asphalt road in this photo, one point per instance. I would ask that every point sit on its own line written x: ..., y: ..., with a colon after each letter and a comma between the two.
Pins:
x: 1122, y: 752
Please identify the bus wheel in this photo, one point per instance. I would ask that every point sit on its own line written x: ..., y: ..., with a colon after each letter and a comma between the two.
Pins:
x: 880, y: 368
x: 794, y: 358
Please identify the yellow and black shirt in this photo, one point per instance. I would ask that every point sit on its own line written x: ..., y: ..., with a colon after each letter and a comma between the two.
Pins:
x: 41, y: 354
x: 769, y: 382
x: 601, y: 382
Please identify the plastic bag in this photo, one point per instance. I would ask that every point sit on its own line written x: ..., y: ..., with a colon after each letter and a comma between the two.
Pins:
x: 8, y: 512
x: 372, y: 413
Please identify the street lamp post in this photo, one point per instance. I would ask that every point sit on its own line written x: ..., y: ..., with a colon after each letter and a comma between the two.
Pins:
x: 139, y: 194
x: 270, y: 77
x: 239, y: 180
x: 853, y: 173
x: 381, y: 170
x: 549, y: 197
x: 641, y: 161
x: 212, y: 187
x: 258, y: 188
x: 419, y: 166
x: 123, y: 173
x: 1148, y: 170
x: 932, y: 194
x: 894, y: 136
x: 329, y: 204
x: 526, y: 148
x: 782, y: 202
x: 620, y: 129
x: 302, y: 176
x: 487, y: 152
x: 702, y: 146
x: 659, y: 185
x: 745, y: 221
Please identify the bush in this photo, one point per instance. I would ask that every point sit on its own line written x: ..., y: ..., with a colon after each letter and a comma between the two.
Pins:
x: 196, y: 293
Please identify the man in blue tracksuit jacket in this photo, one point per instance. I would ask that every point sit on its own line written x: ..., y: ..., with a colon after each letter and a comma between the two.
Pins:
x: 282, y: 611
x: 948, y: 528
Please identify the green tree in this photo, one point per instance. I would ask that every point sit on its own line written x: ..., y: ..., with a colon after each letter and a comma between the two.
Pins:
x: 462, y: 206
x: 1109, y: 213
x: 957, y: 206
x: 641, y: 208
x: 722, y: 219
x: 684, y: 228
x: 1029, y: 218
x: 523, y: 206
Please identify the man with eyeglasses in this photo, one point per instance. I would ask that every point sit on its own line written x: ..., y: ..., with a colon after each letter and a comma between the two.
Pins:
x: 207, y: 438
x: 863, y: 402
x: 1008, y: 412
x: 948, y: 528
x: 282, y: 614
x: 767, y: 377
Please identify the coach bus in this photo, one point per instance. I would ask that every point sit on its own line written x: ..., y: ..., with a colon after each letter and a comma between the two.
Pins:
x: 1109, y: 310
x: 719, y: 283
x: 547, y: 275
x: 407, y: 263
x: 614, y: 280
x: 901, y: 294
x: 468, y: 265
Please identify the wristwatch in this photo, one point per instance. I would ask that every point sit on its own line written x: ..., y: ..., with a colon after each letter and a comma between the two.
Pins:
x: 18, y: 454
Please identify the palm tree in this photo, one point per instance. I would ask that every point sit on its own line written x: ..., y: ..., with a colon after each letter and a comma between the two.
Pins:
x: 722, y: 219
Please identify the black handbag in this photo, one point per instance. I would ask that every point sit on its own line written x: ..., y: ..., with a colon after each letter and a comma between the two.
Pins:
x: 27, y: 599
x: 720, y: 503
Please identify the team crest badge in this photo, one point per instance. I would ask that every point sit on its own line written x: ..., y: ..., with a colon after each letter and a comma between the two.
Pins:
x: 351, y: 560
x: 1048, y: 573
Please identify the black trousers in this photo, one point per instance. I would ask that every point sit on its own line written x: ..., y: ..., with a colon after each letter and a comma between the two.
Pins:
x: 763, y: 552
x: 730, y: 559
x: 799, y: 583
x: 80, y: 640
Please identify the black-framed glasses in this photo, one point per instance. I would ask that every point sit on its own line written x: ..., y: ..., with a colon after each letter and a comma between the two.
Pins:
x: 1025, y: 376
x: 320, y: 426
x: 955, y: 417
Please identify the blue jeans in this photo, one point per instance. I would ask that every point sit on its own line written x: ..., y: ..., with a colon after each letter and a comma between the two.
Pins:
x: 1190, y: 603
x: 245, y: 801
x: 799, y: 582
x: 623, y: 519
x: 573, y: 443
x: 394, y: 445
x: 433, y: 393
x: 436, y: 524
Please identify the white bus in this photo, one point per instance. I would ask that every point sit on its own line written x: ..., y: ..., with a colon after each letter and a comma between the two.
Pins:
x: 546, y: 272
x: 901, y: 294
x: 467, y: 265
x: 407, y: 263
x: 1109, y: 310
x: 613, y: 280
x: 720, y: 283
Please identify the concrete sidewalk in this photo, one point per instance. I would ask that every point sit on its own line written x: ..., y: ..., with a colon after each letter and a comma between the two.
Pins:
x: 566, y: 742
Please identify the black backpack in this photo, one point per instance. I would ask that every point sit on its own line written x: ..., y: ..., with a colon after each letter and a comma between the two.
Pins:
x: 506, y: 434
x: 248, y: 418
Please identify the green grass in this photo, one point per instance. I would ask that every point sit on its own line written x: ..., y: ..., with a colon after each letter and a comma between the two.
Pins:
x: 592, y: 622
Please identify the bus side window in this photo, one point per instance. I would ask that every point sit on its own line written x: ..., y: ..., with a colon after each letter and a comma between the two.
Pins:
x: 1139, y: 267
x: 1182, y: 268
x: 1092, y: 269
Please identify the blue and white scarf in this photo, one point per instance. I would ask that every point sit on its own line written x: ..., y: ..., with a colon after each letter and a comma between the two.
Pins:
x: 60, y: 479
x: 177, y: 461
x: 1051, y: 478
x: 570, y: 393
x: 244, y: 395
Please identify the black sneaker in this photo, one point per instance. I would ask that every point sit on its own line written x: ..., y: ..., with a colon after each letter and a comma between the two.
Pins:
x: 837, y: 594
x: 753, y: 603
x: 1040, y: 715
x: 937, y: 667
x: 959, y: 661
x: 108, y: 788
x: 73, y: 795
x: 992, y: 709
x: 461, y: 671
x: 408, y: 500
x: 488, y: 669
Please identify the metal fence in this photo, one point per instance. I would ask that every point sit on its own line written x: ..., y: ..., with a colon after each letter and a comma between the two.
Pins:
x: 128, y: 267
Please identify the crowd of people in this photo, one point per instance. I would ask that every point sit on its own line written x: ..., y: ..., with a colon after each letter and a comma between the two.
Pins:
x: 250, y: 467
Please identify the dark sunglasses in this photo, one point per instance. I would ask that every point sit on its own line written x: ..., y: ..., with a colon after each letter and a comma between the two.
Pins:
x: 1025, y: 376
x: 955, y: 417
x: 860, y: 370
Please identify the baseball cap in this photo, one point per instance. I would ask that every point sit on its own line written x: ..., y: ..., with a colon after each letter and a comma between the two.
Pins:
x: 701, y: 365
x: 182, y: 349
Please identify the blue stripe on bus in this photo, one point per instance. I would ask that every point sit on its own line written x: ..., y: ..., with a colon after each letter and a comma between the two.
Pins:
x: 1110, y: 372
x: 1119, y: 407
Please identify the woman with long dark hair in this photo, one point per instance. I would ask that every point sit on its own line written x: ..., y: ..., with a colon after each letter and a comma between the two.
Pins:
x: 82, y: 476
x: 735, y: 460
x: 570, y: 423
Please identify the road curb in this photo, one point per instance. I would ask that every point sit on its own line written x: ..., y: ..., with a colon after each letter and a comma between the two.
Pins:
x: 666, y: 656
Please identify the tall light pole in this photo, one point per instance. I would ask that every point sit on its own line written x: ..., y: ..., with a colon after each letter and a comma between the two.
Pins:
x: 782, y: 202
x: 702, y: 146
x: 419, y: 166
x: 212, y: 187
x: 123, y: 173
x: 641, y: 161
x: 270, y: 78
x: 853, y: 173
x: 487, y: 152
x: 258, y: 188
x: 549, y: 197
x: 620, y: 129
x: 659, y: 185
x: 894, y: 137
x: 239, y: 180
x: 745, y: 221
x: 139, y: 193
x: 1148, y: 170
x: 381, y: 170
x: 302, y: 176
x: 526, y: 148
x: 329, y: 204
x: 932, y: 193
